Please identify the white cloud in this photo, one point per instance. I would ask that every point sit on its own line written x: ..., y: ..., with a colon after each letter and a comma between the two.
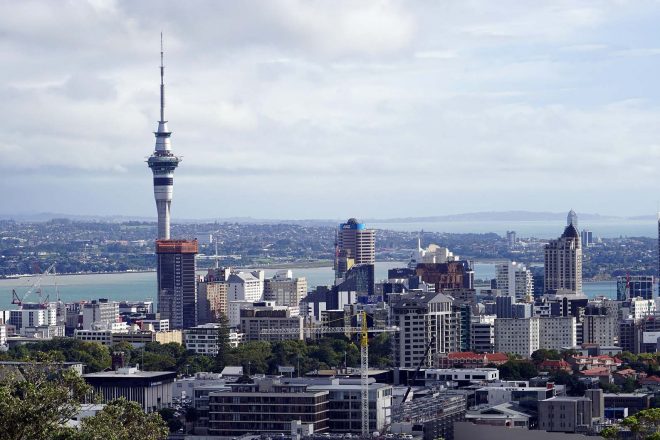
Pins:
x: 441, y: 105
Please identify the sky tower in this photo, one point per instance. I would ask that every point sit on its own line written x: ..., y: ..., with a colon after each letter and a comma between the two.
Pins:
x: 163, y: 163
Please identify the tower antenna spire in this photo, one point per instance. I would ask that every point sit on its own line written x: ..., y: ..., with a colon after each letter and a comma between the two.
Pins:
x: 163, y: 162
x: 162, y: 82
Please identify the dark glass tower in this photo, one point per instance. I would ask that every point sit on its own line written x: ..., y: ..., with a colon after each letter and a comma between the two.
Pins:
x: 177, y: 289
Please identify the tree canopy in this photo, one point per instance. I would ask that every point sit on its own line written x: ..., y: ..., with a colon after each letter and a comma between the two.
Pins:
x: 38, y: 401
x: 645, y: 425
x: 255, y: 357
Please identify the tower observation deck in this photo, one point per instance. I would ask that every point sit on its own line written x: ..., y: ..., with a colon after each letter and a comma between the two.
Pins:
x: 163, y: 163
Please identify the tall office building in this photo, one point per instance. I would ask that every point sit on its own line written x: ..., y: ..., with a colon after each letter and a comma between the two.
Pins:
x: 177, y: 286
x: 587, y: 238
x: 163, y: 163
x: 633, y: 286
x: 563, y: 262
x: 284, y: 289
x: 658, y: 274
x: 355, y: 244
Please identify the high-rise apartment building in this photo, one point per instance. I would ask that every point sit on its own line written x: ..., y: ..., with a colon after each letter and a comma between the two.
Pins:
x: 211, y: 300
x: 421, y: 318
x: 557, y: 332
x: 517, y: 336
x: 563, y: 263
x: 515, y: 280
x: 355, y: 242
x: 177, y: 284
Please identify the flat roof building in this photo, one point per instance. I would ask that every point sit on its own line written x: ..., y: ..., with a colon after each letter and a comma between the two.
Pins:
x: 266, y: 406
x: 151, y: 389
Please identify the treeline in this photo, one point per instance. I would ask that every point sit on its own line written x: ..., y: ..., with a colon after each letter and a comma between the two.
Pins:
x: 255, y: 357
x: 37, y: 402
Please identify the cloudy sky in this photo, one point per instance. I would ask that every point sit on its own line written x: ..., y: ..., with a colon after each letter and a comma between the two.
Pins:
x: 330, y: 109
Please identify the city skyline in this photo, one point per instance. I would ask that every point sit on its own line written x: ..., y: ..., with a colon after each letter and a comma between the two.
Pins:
x: 514, y: 106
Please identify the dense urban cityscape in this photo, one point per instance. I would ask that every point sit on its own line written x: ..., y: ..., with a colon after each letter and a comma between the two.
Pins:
x: 232, y: 341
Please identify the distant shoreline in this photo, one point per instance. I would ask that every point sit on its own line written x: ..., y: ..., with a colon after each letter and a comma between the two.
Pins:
x: 119, y: 272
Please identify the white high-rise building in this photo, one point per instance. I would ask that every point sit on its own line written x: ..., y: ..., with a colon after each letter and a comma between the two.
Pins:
x: 245, y: 286
x: 100, y: 312
x: 525, y: 336
x: 515, y: 280
x: 556, y: 332
x: 563, y: 263
x: 517, y: 336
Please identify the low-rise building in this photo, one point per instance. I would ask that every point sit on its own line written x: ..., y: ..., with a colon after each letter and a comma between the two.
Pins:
x: 435, y: 375
x: 202, y: 339
x: 565, y: 414
x: 344, y: 409
x: 429, y: 417
x: 494, y: 395
x: 139, y: 338
x: 571, y: 414
x: 580, y: 363
x: 467, y: 359
x: 505, y: 414
x: 634, y: 402
x: 266, y: 406
x: 151, y: 389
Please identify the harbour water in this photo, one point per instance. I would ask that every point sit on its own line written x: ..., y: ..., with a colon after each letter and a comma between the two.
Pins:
x: 142, y: 285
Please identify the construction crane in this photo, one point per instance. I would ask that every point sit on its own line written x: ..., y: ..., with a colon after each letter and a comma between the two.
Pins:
x: 411, y: 382
x: 35, y: 286
x: 363, y: 331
